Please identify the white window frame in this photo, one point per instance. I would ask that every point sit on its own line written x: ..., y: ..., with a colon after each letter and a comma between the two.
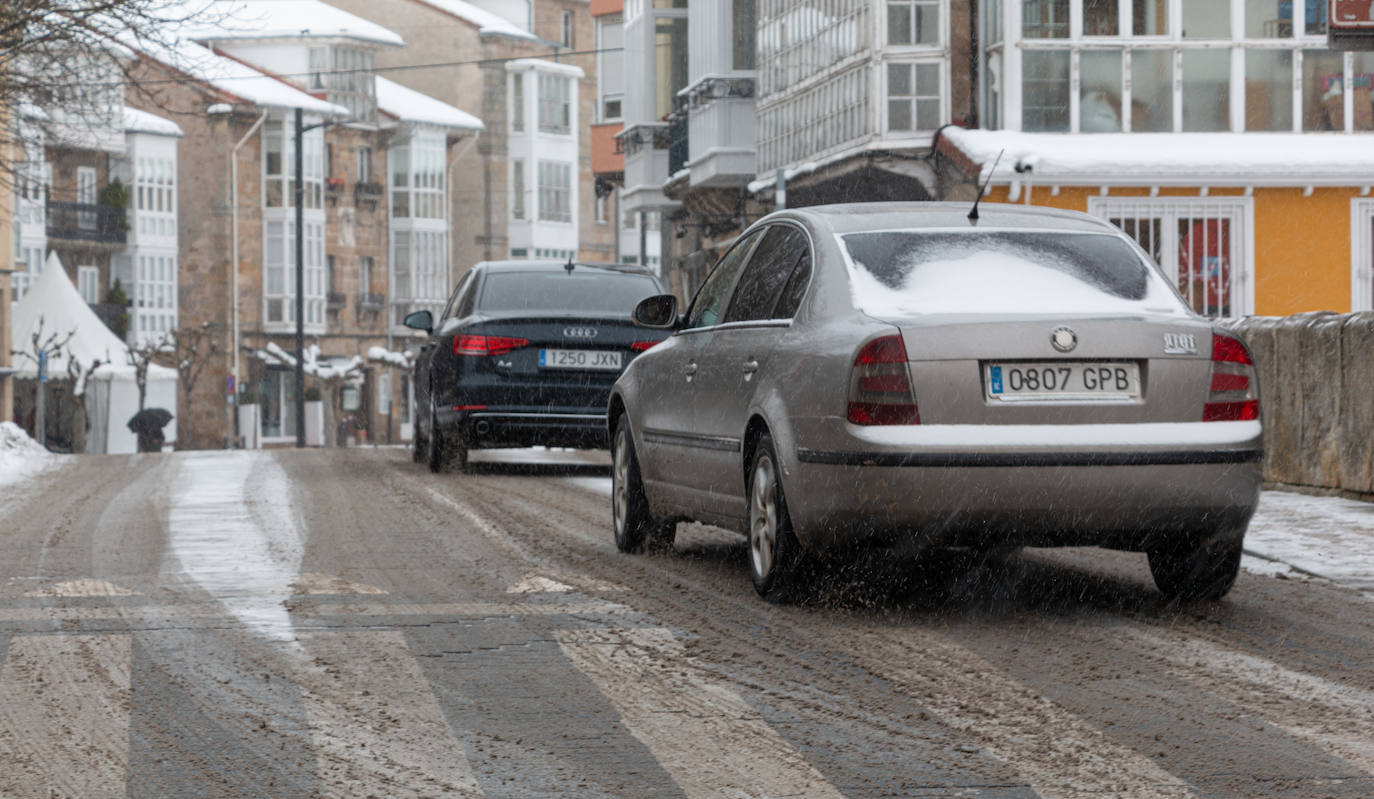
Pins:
x: 942, y: 81
x: 942, y: 25
x: 88, y: 283
x: 609, y: 63
x: 1238, y: 211
x: 555, y: 191
x: 519, y: 209
x: 1361, y: 254
x: 555, y: 103
x: 569, y: 31
x: 1013, y: 46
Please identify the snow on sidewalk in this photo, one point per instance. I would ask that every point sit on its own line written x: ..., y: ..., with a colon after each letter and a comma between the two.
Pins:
x: 1326, y: 536
x: 20, y: 457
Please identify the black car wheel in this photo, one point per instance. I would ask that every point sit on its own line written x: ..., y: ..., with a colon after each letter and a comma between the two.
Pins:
x: 635, y: 528
x: 775, y: 556
x: 418, y: 446
x: 440, y: 451
x: 1196, y: 572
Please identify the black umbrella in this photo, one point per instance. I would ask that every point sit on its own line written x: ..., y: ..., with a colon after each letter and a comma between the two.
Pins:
x: 150, y: 421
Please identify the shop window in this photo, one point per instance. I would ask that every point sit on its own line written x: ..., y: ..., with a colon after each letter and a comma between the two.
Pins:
x: 1323, y: 81
x: 1045, y: 19
x: 1152, y: 91
x: 1101, y: 18
x: 1206, y: 19
x: 1045, y: 91
x: 1206, y: 90
x: 1150, y: 17
x: 1099, y: 102
x: 1269, y: 90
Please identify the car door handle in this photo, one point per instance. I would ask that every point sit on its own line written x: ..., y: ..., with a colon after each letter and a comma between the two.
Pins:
x: 751, y: 367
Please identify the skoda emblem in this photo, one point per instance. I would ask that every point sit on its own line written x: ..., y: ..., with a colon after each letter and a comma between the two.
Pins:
x: 580, y: 332
x: 1064, y: 339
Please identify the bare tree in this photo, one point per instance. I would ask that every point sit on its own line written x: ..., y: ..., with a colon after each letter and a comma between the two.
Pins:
x: 140, y: 357
x: 190, y: 350
x: 65, y: 67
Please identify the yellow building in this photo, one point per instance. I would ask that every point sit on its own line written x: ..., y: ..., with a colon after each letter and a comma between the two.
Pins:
x: 1249, y: 223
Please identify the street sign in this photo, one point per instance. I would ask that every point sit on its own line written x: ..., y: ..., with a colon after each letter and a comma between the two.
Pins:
x: 43, y: 366
x: 1351, y: 25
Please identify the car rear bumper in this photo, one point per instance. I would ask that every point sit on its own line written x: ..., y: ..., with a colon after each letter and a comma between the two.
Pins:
x: 496, y: 427
x: 1122, y: 486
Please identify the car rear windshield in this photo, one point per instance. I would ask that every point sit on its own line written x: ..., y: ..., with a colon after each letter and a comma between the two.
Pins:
x: 903, y: 272
x: 565, y: 292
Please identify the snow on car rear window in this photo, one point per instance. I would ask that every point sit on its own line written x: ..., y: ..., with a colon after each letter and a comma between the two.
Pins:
x: 575, y: 292
x: 901, y: 272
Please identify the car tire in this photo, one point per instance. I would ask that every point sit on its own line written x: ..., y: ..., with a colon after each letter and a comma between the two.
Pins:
x: 634, y: 526
x: 417, y: 445
x: 775, y: 556
x: 1196, y: 572
x: 439, y: 452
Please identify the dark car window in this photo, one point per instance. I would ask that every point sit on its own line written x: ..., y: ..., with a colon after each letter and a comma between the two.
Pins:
x: 767, y: 272
x: 709, y: 305
x: 579, y: 290
x: 795, y: 289
x: 908, y: 271
x: 455, y: 302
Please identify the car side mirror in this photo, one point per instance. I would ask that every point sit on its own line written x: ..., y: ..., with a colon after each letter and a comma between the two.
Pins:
x: 658, y: 311
x: 419, y: 320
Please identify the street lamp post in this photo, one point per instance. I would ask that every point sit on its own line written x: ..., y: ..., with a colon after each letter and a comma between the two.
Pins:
x: 299, y: 197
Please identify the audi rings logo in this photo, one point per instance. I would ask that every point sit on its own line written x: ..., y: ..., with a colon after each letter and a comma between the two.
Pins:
x: 580, y: 332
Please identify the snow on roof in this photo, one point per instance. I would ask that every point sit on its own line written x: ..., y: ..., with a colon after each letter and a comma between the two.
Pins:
x: 236, y: 78
x: 485, y: 21
x: 138, y: 121
x: 53, y: 305
x: 1155, y: 158
x: 544, y: 65
x: 408, y: 105
x: 275, y: 19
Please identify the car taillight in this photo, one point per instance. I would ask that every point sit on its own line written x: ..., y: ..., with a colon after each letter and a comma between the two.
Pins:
x: 1232, y: 395
x: 468, y: 344
x: 641, y: 346
x: 879, y: 386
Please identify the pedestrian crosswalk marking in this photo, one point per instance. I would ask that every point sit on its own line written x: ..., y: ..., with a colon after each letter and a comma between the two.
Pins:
x: 64, y: 716
x: 84, y: 586
x: 317, y: 583
x: 1056, y: 751
x: 376, y: 725
x: 538, y: 584
x: 1253, y: 682
x: 704, y: 734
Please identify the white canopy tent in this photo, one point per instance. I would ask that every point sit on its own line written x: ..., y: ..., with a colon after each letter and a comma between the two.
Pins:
x: 53, y: 305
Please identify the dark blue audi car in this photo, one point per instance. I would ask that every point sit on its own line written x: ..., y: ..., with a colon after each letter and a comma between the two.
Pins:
x: 525, y: 354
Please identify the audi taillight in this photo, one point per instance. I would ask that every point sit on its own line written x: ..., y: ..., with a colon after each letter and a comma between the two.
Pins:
x: 880, y: 386
x: 1233, y: 395
x: 467, y: 344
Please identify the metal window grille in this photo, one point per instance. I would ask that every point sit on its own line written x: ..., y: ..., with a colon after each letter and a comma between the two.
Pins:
x: 1202, y: 244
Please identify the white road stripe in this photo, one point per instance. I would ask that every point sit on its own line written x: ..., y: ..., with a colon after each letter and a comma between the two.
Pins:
x: 233, y: 532
x: 376, y: 726
x: 64, y: 716
x: 163, y: 614
x: 1278, y: 695
x: 701, y: 732
x: 1056, y: 751
x: 84, y: 586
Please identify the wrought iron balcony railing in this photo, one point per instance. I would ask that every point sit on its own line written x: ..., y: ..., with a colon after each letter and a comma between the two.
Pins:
x: 102, y: 224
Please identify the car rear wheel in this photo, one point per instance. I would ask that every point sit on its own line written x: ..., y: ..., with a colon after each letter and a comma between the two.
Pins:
x: 418, y: 446
x: 635, y: 527
x: 775, y: 556
x: 1196, y: 572
x: 440, y: 453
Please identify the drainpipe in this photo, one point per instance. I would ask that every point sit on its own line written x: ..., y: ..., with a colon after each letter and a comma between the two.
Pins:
x: 234, y: 259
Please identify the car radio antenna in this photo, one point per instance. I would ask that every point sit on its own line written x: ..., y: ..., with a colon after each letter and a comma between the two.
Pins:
x: 569, y: 265
x: 973, y: 214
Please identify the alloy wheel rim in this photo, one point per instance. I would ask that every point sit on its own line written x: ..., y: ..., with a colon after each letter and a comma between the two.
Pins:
x: 620, y: 493
x: 763, y: 518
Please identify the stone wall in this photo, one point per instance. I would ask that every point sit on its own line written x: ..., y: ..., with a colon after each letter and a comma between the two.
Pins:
x: 1315, y: 374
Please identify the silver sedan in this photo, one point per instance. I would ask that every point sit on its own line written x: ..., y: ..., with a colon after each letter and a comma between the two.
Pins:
x: 903, y: 376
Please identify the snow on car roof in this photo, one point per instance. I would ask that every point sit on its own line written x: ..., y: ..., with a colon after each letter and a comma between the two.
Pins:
x: 1153, y: 158
x: 850, y: 217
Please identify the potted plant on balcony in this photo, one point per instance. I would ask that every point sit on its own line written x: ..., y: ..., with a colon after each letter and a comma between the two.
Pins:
x: 116, y: 195
x: 335, y: 184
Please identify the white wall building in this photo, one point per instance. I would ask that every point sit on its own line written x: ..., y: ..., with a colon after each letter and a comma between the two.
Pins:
x: 147, y: 269
x: 542, y: 143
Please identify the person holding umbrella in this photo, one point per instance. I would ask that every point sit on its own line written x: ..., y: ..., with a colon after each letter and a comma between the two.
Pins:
x: 147, y: 424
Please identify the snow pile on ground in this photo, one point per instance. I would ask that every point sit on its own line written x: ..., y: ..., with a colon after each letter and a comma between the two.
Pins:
x: 1325, y: 536
x: 20, y: 456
